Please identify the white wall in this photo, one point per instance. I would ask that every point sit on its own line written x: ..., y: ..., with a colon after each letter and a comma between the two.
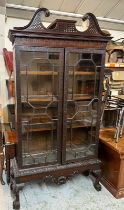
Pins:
x: 10, y: 23
x: 14, y: 22
x: 3, y: 73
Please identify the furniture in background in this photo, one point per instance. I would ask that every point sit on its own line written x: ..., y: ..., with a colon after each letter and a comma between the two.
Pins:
x: 1, y: 163
x: 112, y: 156
x: 7, y: 149
x: 11, y: 115
x: 120, y: 119
x: 8, y: 58
x: 10, y: 84
x: 10, y: 87
x: 111, y: 145
x: 113, y: 112
x: 9, y: 142
x: 58, y: 89
x: 115, y: 51
x: 1, y: 152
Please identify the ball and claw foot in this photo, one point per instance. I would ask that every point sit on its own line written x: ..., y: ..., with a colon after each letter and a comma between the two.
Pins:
x: 61, y: 180
x: 2, y: 182
x: 16, y: 205
x: 97, y: 186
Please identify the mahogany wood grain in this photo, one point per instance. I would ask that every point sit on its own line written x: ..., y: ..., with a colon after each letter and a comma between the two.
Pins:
x: 112, y: 156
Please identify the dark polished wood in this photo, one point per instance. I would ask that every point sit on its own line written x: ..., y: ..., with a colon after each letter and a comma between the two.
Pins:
x: 112, y: 156
x: 63, y: 39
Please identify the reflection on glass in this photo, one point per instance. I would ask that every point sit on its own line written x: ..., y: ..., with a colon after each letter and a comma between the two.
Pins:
x: 97, y: 58
x: 85, y: 65
x: 83, y: 79
x: 39, y: 73
x: 83, y: 90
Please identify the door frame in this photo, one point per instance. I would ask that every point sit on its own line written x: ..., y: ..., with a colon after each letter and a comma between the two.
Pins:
x: 76, y: 50
x: 18, y: 109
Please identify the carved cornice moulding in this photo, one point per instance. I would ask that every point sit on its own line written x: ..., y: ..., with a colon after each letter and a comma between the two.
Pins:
x: 59, y: 27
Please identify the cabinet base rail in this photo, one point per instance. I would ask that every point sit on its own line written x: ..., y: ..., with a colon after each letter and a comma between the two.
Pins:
x: 58, y: 174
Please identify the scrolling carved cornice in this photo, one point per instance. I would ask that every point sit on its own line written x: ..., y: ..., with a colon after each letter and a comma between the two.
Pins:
x: 60, y: 27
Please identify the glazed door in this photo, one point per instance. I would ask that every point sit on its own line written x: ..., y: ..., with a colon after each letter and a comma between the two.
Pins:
x: 39, y: 83
x: 81, y: 103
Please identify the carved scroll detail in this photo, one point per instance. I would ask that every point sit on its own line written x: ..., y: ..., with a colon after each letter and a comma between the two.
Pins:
x: 36, y: 22
x: 93, y: 28
x: 61, y: 26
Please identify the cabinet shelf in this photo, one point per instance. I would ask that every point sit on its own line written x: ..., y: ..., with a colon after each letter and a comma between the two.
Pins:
x: 54, y: 128
x: 79, y: 98
x: 50, y: 73
x: 39, y: 99
x: 40, y: 129
x: 42, y: 73
x: 79, y: 126
x: 84, y: 73
x: 48, y: 127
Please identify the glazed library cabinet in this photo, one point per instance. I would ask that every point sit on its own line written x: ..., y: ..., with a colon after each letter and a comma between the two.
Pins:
x: 58, y: 84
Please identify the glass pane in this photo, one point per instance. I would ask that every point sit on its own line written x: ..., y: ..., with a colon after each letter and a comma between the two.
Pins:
x: 39, y: 73
x: 82, y: 103
x: 97, y: 58
x: 83, y: 79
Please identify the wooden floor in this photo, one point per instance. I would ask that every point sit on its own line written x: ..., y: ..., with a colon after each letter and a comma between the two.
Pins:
x: 77, y: 194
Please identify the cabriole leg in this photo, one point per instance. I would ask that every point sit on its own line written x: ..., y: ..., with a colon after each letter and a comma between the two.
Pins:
x: 15, y: 188
x: 97, y: 177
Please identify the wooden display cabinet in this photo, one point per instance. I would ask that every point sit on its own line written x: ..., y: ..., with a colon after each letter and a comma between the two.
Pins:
x: 58, y: 84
